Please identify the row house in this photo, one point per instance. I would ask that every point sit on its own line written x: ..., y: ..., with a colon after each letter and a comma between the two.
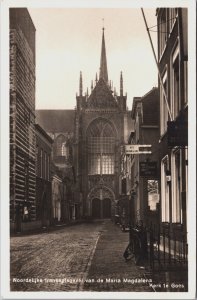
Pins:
x: 65, y: 207
x: 144, y: 166
x: 173, y: 60
x: 44, y: 145
x: 139, y: 175
x: 66, y: 198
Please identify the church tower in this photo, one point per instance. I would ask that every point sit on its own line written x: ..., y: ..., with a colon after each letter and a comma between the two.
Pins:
x: 100, y: 127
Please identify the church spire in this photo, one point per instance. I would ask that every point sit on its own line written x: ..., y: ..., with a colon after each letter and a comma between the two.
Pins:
x: 121, y: 84
x: 80, y: 85
x: 103, y: 63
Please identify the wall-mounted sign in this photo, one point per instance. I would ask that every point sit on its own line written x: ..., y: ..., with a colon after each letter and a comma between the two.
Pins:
x: 177, y: 133
x: 138, y: 149
x: 148, y: 169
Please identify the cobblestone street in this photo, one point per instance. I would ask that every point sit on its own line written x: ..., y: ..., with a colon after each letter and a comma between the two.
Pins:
x: 85, y: 257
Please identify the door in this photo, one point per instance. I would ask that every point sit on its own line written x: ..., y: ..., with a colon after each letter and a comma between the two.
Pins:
x: 106, y: 208
x: 96, y: 208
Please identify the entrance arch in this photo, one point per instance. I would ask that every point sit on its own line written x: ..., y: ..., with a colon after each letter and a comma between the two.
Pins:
x: 96, y: 208
x: 101, y: 201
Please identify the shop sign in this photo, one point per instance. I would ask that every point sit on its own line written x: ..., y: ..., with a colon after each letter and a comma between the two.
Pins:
x: 138, y: 149
x: 148, y: 169
x: 177, y: 133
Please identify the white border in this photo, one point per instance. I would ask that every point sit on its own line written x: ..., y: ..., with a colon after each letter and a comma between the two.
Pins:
x: 5, y: 4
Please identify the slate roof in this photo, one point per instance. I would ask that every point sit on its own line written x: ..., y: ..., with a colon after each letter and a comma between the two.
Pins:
x: 57, y: 120
x: 151, y: 107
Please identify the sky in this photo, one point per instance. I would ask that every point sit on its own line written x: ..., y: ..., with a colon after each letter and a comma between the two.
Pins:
x: 68, y: 40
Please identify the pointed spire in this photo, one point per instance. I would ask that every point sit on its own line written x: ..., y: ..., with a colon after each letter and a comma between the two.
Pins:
x: 96, y: 79
x: 80, y: 85
x: 103, y: 63
x: 121, y: 84
x: 91, y: 85
x: 87, y: 93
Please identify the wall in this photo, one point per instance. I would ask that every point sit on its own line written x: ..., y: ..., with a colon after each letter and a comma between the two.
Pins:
x: 22, y: 108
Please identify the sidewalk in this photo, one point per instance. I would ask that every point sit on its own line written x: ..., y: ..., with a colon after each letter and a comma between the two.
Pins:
x: 108, y: 270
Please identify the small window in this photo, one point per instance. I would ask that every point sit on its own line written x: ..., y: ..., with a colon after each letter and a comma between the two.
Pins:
x: 153, y: 194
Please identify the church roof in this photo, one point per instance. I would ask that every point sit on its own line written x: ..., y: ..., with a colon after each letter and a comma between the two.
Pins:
x: 101, y: 96
x: 58, y: 120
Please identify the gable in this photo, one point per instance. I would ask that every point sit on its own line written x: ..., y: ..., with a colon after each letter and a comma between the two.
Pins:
x: 101, y: 96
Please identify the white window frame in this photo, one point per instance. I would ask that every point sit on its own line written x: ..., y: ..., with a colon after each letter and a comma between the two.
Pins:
x: 175, y: 55
x: 163, y: 32
x: 177, y: 215
x: 165, y: 191
x: 163, y: 107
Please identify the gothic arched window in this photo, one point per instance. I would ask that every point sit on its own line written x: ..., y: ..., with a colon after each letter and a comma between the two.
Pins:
x: 101, y: 148
x: 59, y: 145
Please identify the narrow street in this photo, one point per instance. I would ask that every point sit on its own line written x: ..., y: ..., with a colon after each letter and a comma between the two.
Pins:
x: 84, y: 257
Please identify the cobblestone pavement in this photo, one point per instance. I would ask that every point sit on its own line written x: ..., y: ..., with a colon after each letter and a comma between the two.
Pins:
x: 59, y: 255
x: 85, y: 257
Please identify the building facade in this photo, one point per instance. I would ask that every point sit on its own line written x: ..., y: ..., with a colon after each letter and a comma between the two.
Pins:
x: 22, y: 119
x: 144, y: 168
x: 43, y: 176
x: 173, y: 59
x: 66, y: 198
x: 101, y: 127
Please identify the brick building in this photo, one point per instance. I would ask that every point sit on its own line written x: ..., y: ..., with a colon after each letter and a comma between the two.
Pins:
x: 22, y: 119
x: 43, y: 176
x: 101, y: 127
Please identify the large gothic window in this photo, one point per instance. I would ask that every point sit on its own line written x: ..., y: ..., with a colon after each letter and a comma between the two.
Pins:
x: 101, y: 148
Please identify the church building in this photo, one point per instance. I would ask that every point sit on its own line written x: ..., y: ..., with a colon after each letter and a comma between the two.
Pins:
x: 101, y: 127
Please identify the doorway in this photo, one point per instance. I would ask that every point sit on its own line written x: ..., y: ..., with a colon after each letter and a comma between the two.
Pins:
x: 96, y: 208
x: 106, y: 208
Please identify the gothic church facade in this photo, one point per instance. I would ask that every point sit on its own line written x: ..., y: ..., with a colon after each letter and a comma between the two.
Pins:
x: 101, y: 127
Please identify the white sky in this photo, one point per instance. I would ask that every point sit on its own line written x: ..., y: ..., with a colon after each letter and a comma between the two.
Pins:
x: 68, y: 40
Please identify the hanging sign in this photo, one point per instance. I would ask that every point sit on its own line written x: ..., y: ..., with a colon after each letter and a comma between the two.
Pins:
x: 138, y: 149
x: 148, y: 169
x: 177, y: 133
